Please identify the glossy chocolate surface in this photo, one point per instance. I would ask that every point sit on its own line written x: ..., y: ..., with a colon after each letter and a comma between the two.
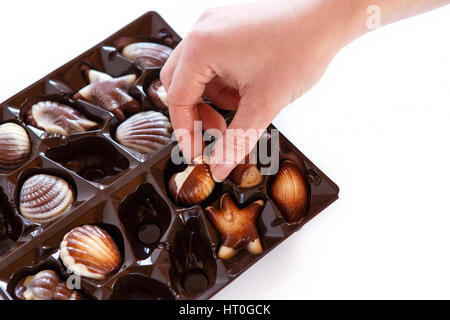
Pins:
x: 167, y: 251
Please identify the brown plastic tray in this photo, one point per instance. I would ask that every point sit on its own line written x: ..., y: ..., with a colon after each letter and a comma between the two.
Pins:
x: 148, y: 271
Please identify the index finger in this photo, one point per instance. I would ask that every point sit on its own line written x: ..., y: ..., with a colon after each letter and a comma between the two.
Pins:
x: 185, y: 92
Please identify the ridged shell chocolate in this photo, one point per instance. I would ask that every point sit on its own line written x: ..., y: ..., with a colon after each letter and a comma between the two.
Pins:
x: 145, y: 132
x: 192, y: 185
x: 45, y: 285
x: 55, y: 117
x: 89, y: 251
x: 147, y: 54
x: 45, y: 197
x: 15, y: 145
x: 290, y: 192
x: 157, y: 94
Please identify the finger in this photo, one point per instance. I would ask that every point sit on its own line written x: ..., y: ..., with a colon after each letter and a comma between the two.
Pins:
x: 186, y: 89
x: 240, y: 137
x: 210, y: 118
x: 222, y: 95
x: 169, y: 67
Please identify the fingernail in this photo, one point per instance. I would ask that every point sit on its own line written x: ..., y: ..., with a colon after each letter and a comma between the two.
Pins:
x: 215, y: 171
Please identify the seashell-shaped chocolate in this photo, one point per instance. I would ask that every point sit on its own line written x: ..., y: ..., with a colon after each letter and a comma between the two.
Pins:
x: 145, y: 132
x: 15, y: 145
x: 246, y: 175
x: 110, y: 93
x: 290, y: 192
x: 45, y: 197
x: 157, y: 94
x: 192, y: 185
x: 45, y: 285
x: 91, y: 252
x: 147, y: 54
x: 55, y: 117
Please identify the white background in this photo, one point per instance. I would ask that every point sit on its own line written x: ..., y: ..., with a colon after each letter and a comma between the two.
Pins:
x: 377, y: 124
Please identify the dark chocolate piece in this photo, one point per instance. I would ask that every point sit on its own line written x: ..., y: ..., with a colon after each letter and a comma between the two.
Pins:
x: 290, y: 192
x: 110, y: 93
x: 237, y: 226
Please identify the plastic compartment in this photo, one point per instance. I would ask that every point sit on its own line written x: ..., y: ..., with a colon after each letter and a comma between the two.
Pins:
x: 93, y: 158
x: 146, y: 218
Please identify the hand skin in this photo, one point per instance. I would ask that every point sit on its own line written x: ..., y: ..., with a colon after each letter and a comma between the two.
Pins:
x: 256, y: 58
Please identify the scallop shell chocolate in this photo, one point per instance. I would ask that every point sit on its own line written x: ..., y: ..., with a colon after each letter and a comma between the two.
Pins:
x: 15, y: 146
x: 45, y: 197
x: 145, y: 132
x: 55, y: 117
x: 147, y: 54
x: 89, y: 251
x: 45, y: 285
x: 192, y: 185
x: 290, y: 192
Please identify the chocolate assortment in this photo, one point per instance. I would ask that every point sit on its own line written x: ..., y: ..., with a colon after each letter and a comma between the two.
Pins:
x: 89, y: 193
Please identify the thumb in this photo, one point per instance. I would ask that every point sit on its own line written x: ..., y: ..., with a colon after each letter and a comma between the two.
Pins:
x: 240, y: 137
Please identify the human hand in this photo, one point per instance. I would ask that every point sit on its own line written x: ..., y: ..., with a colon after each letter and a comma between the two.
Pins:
x: 255, y: 58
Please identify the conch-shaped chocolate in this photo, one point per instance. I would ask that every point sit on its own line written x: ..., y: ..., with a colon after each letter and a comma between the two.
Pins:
x: 45, y: 285
x: 158, y: 94
x: 89, y: 251
x: 110, y: 93
x: 45, y: 197
x: 237, y: 226
x: 246, y: 175
x: 147, y: 54
x: 145, y: 132
x: 193, y: 185
x: 15, y: 145
x: 55, y: 117
x: 290, y: 192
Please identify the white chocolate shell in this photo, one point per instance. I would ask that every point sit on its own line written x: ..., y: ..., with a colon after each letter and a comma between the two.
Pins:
x: 54, y: 117
x: 45, y: 285
x: 147, y: 54
x: 145, y: 132
x: 193, y: 185
x: 158, y: 94
x: 90, y: 252
x: 15, y: 145
x: 45, y: 197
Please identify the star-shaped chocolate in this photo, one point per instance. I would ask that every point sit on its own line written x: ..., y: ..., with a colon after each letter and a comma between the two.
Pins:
x: 110, y: 93
x: 237, y: 226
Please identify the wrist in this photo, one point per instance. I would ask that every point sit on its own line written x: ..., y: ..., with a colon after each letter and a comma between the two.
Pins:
x: 354, y: 18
